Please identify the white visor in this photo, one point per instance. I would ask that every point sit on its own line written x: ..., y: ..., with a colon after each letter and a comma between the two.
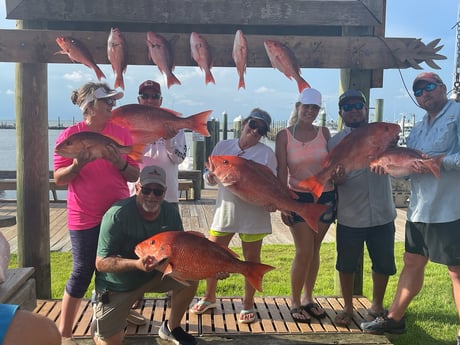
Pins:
x: 98, y: 94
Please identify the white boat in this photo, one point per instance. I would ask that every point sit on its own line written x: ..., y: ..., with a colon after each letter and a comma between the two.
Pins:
x: 406, y: 122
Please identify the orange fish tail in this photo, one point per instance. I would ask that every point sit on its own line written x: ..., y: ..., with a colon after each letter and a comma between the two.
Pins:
x: 313, y: 185
x: 209, y: 78
x: 136, y: 152
x: 172, y: 80
x: 200, y: 122
x: 99, y: 73
x: 254, y: 273
x: 241, y: 84
x: 312, y: 213
x: 119, y: 82
x: 435, y: 165
x: 302, y: 84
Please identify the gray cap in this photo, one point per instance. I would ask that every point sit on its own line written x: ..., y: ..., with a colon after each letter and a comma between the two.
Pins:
x: 351, y: 94
x: 153, y: 174
x: 261, y: 115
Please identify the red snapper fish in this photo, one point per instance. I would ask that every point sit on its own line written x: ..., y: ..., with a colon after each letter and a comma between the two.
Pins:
x: 201, y: 53
x: 354, y: 152
x: 240, y: 56
x: 78, y: 52
x: 117, y: 53
x: 256, y: 184
x: 94, y: 143
x: 283, y: 58
x: 148, y: 124
x: 160, y: 52
x: 188, y: 255
x: 402, y: 161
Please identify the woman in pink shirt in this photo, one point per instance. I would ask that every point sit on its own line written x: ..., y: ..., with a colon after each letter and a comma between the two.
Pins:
x: 93, y: 186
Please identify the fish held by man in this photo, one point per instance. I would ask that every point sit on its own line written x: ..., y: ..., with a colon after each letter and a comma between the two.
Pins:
x: 189, y: 255
x: 201, y: 53
x: 78, y: 52
x: 147, y: 124
x: 117, y: 53
x: 354, y: 152
x: 95, y: 143
x: 283, y: 58
x: 256, y: 184
x: 240, y: 56
x: 161, y: 53
x: 403, y: 161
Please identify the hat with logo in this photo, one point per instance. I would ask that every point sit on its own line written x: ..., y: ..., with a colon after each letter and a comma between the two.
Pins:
x: 149, y: 85
x: 261, y: 115
x: 153, y: 174
x: 100, y: 93
x: 428, y: 77
x: 310, y: 96
x: 351, y: 94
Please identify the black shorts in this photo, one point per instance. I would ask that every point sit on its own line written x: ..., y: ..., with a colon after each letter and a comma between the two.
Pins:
x: 440, y: 242
x: 327, y: 198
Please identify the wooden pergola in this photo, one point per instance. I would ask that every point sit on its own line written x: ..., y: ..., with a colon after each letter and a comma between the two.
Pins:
x: 344, y: 34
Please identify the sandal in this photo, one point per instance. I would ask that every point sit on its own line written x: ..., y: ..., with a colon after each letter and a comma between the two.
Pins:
x: 304, y: 318
x: 315, y: 310
x: 343, y: 319
x: 247, y: 316
x: 201, y: 306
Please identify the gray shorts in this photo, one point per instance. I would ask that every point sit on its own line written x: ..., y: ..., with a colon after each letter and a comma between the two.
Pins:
x: 440, y: 242
x: 110, y: 317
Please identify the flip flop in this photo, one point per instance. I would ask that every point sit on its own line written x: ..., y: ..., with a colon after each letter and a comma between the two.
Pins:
x: 247, y: 316
x: 202, y: 306
x: 315, y: 310
x: 299, y: 311
x: 343, y: 319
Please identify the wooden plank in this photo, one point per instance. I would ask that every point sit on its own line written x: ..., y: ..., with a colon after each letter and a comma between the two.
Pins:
x: 328, y: 321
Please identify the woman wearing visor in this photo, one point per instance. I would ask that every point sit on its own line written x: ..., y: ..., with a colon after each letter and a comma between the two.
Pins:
x: 93, y: 186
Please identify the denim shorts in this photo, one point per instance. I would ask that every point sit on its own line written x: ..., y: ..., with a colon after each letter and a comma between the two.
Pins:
x: 327, y: 198
x: 379, y: 240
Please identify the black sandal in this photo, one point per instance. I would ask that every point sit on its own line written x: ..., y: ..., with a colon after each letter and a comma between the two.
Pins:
x: 299, y: 311
x: 313, y: 309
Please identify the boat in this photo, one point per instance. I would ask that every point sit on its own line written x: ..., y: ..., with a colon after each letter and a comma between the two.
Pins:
x: 406, y: 122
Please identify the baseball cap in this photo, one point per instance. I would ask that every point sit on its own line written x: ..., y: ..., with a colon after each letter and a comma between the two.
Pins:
x: 351, y: 94
x: 153, y: 174
x: 151, y: 85
x: 100, y: 93
x: 310, y: 96
x: 261, y: 115
x: 429, y: 77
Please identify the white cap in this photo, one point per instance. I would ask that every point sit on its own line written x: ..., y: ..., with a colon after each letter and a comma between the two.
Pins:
x: 99, y: 93
x: 310, y: 96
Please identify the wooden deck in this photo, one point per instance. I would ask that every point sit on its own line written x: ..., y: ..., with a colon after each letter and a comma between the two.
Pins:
x: 196, y: 215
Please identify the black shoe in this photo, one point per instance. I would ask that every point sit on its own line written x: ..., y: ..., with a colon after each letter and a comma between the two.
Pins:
x: 178, y: 336
x: 384, y: 324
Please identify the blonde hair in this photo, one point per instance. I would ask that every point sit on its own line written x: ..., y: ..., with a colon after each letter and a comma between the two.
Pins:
x: 294, y: 115
x: 78, y: 96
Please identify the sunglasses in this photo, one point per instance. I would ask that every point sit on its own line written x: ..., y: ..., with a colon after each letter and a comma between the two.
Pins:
x: 350, y: 107
x: 261, y: 130
x: 109, y: 101
x: 428, y: 88
x: 156, y: 191
x: 147, y: 96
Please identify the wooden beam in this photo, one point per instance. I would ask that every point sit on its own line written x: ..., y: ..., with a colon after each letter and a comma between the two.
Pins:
x: 39, y: 46
x: 193, y: 12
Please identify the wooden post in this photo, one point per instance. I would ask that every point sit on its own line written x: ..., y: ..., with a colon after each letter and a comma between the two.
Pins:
x: 224, y: 125
x: 237, y: 127
x: 33, y: 215
x: 378, y: 113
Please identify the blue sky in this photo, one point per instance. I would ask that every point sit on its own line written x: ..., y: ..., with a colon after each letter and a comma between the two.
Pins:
x: 266, y: 88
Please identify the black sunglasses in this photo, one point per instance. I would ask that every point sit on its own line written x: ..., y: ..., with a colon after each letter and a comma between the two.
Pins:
x: 156, y: 191
x: 147, y: 96
x: 428, y: 88
x: 261, y: 130
x: 109, y: 101
x: 349, y: 107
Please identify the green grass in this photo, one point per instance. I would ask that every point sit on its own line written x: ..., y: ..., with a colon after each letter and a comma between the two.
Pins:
x: 431, y: 317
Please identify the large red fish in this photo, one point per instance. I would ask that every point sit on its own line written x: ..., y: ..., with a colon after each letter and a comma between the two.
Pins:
x: 354, y: 152
x: 240, y: 56
x: 283, y: 58
x: 78, y: 52
x: 161, y: 54
x: 188, y: 255
x: 147, y: 124
x: 201, y: 53
x: 403, y: 161
x: 256, y: 184
x: 117, y: 53
x: 94, y: 143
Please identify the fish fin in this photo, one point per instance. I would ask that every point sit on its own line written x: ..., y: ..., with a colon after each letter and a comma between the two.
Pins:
x: 171, y: 80
x: 99, y: 73
x: 241, y: 84
x: 293, y: 194
x: 302, y: 84
x: 311, y: 213
x: 119, y: 82
x: 313, y: 185
x: 136, y: 152
x: 434, y: 164
x: 209, y: 78
x: 254, y: 273
x: 200, y: 122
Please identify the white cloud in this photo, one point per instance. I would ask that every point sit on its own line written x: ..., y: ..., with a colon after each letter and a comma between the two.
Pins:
x: 9, y: 92
x: 264, y: 90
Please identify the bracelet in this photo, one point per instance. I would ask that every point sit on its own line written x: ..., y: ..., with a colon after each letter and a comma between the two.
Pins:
x: 124, y: 167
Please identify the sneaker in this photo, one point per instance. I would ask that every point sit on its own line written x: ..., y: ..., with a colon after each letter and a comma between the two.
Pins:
x: 178, y: 336
x: 384, y: 324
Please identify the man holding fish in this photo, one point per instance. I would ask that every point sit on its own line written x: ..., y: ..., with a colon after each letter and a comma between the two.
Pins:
x: 433, y: 214
x: 122, y: 277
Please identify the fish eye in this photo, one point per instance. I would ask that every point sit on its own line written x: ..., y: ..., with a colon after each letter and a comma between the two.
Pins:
x: 225, y: 161
x: 152, y: 242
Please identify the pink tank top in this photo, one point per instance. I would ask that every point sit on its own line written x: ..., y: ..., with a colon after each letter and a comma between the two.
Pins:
x: 305, y: 159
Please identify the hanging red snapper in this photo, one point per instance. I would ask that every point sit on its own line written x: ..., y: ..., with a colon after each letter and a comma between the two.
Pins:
x: 354, y: 152
x: 256, y: 184
x: 148, y: 124
x: 188, y: 255
x: 403, y: 161
x: 240, y: 56
x: 117, y: 53
x: 201, y: 53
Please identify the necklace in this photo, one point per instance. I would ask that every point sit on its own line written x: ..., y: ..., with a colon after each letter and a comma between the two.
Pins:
x: 315, y: 130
